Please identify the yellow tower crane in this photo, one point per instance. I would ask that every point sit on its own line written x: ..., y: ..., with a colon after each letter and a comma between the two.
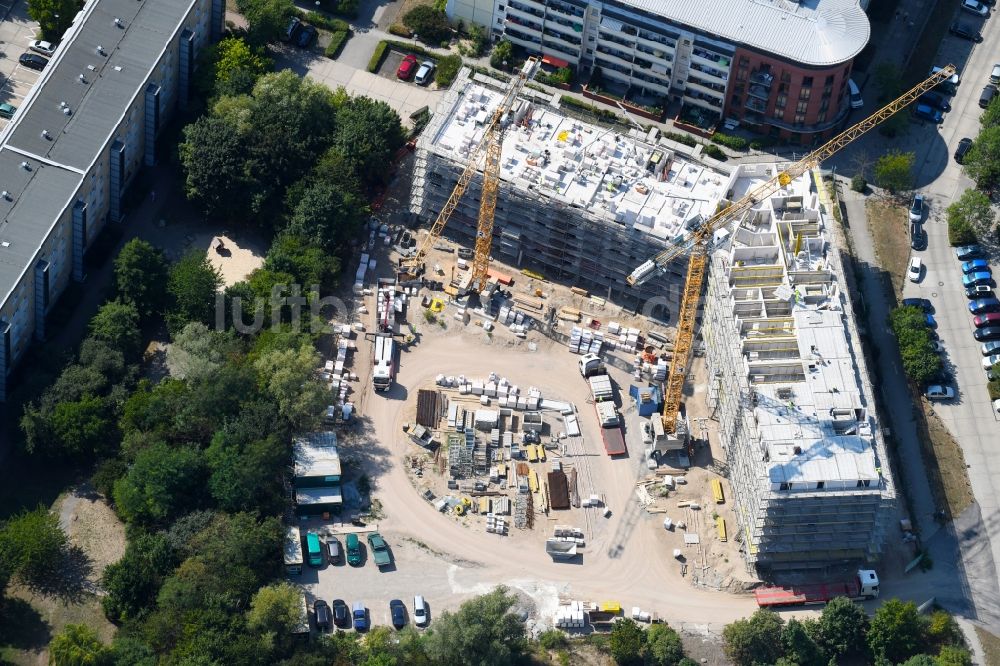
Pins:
x: 491, y: 143
x: 698, y: 243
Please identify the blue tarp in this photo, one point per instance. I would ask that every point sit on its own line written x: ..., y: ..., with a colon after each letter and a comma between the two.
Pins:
x: 651, y: 406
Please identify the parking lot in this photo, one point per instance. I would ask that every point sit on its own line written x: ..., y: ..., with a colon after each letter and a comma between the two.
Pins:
x: 16, y: 31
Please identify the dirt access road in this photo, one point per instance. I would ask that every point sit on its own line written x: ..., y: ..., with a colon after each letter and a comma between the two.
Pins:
x: 628, y: 562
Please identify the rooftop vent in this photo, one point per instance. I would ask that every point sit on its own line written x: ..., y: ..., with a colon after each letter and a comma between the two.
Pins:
x: 5, y: 195
x: 67, y: 111
x: 100, y: 50
x: 82, y: 78
x: 120, y: 23
x: 45, y: 134
x: 25, y: 166
x: 5, y: 244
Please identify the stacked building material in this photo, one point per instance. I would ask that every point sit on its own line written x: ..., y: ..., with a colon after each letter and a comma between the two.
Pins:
x: 571, y: 617
x: 558, y: 490
x: 495, y: 524
x: 427, y: 408
x: 521, y: 507
x: 500, y: 505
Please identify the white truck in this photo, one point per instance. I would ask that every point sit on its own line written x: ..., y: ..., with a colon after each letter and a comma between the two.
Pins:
x: 389, y: 308
x: 590, y: 365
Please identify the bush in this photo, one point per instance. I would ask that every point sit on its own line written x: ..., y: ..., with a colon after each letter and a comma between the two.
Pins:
x: 994, y: 389
x: 502, y: 52
x: 326, y: 23
x: 553, y: 639
x: 378, y: 56
x: 763, y: 142
x: 561, y: 77
x: 430, y: 25
x: 400, y: 30
x: 715, y: 152
x: 858, y: 183
x: 337, y: 40
x: 729, y: 141
x: 920, y: 362
x: 447, y: 70
x: 686, y: 139
x: 960, y: 232
x: 348, y: 8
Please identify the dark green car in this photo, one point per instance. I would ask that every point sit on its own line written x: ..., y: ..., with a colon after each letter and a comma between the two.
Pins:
x: 7, y: 110
x: 353, y: 550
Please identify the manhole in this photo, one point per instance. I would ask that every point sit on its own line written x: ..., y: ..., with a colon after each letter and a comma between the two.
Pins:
x: 933, y: 294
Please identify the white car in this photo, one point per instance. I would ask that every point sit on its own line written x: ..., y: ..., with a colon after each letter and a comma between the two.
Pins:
x: 419, y: 611
x: 996, y: 406
x: 917, y: 208
x: 990, y: 361
x: 424, y: 73
x: 938, y: 392
x: 975, y: 7
x: 937, y: 346
x: 45, y: 48
x: 914, y: 270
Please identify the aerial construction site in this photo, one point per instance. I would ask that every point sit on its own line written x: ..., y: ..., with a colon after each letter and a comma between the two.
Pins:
x: 548, y: 404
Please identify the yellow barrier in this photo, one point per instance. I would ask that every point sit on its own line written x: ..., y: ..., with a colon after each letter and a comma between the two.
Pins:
x: 720, y: 525
x: 717, y: 493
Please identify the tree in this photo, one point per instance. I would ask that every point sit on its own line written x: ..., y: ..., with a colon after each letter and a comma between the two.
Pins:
x: 942, y: 629
x: 991, y: 116
x: 327, y: 216
x: 627, y: 642
x: 275, y: 609
x: 369, y: 133
x: 83, y: 428
x: 971, y: 211
x: 289, y: 377
x: 841, y: 628
x: 920, y: 660
x: 141, y: 277
x: 920, y: 362
x: 482, y: 633
x: 33, y: 545
x: 238, y: 66
x: 192, y: 285
x: 127, y: 650
x: 308, y: 265
x: 799, y: 645
x: 162, y: 483
x: 77, y: 645
x: 953, y: 655
x: 896, y: 631
x: 754, y: 640
x: 197, y: 351
x: 117, y: 324
x: 214, y: 156
x: 894, y: 172
x: 663, y: 646
x: 502, y: 55
x: 134, y: 580
x: 248, y: 476
x: 54, y: 17
x: 430, y: 25
x: 982, y: 162
x: 267, y: 18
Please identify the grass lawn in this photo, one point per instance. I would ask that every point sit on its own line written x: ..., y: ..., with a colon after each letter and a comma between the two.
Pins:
x: 991, y: 646
x: 945, y: 464
x: 890, y: 231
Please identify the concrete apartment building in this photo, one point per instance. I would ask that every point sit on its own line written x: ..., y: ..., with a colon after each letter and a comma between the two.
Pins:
x: 78, y: 139
x: 578, y: 203
x: 789, y: 386
x: 778, y: 67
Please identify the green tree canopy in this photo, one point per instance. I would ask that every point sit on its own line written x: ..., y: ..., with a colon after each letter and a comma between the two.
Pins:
x: 307, y: 264
x: 369, y: 133
x: 77, y: 645
x: 953, y: 655
x: 117, y: 324
x: 982, y: 162
x: 972, y: 210
x: 275, y: 609
x: 920, y: 362
x: 54, y: 17
x: 894, y: 172
x: 896, y: 631
x: 235, y: 66
x: 198, y: 351
x: 800, y: 647
x: 502, y: 53
x: 754, y: 640
x: 267, y: 19
x: 429, y: 24
x: 627, y: 642
x: 247, y: 476
x: 33, y: 545
x: 663, y: 646
x: 133, y: 581
x: 327, y: 216
x: 289, y: 378
x: 483, y: 632
x: 215, y: 158
x: 162, y: 483
x: 842, y: 625
x: 192, y: 285
x: 141, y: 277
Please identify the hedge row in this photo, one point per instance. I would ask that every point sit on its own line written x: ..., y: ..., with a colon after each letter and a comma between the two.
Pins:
x: 336, y: 43
x: 378, y: 56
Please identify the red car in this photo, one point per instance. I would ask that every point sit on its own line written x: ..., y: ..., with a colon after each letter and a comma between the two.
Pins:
x: 406, y: 68
x: 991, y: 319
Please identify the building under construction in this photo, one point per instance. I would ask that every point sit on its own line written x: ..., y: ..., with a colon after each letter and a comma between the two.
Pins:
x: 578, y: 203
x: 790, y: 389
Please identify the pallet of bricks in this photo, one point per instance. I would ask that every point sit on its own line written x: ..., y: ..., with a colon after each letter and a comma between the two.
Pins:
x: 585, y: 341
x: 572, y: 616
x: 569, y: 534
x: 496, y: 524
x: 627, y: 338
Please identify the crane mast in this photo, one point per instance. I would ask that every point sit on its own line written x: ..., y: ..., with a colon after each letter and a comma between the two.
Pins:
x: 698, y: 243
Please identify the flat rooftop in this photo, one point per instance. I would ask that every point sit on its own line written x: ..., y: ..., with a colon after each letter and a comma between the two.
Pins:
x: 811, y: 32
x: 316, y: 455
x: 802, y: 370
x: 62, y: 126
x: 619, y: 177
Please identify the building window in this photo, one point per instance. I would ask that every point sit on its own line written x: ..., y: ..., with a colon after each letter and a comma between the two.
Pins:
x: 800, y: 118
x: 741, y: 74
x: 824, y: 105
x: 782, y: 99
x: 786, y: 77
x: 805, y: 93
x: 820, y: 485
x: 801, y: 107
x: 821, y: 117
x: 779, y: 113
x: 807, y: 81
x: 829, y: 80
x: 744, y: 60
x: 739, y: 88
x: 500, y: 8
x: 786, y: 486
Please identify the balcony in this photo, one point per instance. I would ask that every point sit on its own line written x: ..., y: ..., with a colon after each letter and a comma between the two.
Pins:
x: 523, y: 23
x: 657, y: 39
x: 606, y: 36
x: 572, y: 31
x: 569, y: 40
x: 525, y: 9
x: 713, y: 58
x: 707, y: 85
x: 803, y: 128
x: 754, y: 104
x: 711, y: 72
x: 615, y: 55
x: 762, y: 77
x: 563, y: 8
x: 614, y: 70
x: 568, y: 51
x: 522, y: 38
x: 760, y: 92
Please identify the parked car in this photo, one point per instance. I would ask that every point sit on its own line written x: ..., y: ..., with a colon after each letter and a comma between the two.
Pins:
x: 939, y: 392
x: 306, y: 36
x: 974, y: 265
x: 988, y: 319
x: 420, y: 614
x: 965, y: 252
x: 965, y: 31
x: 406, y: 68
x: 963, y: 148
x: 921, y: 303
x: 917, y: 208
x: 341, y: 613
x: 930, y: 321
x: 916, y: 267
x: 47, y: 49
x: 990, y: 361
x: 996, y: 405
x: 937, y: 100
x: 975, y: 7
x: 918, y: 237
x: 987, y: 334
x: 979, y: 291
x: 397, y: 611
x: 292, y: 29
x: 995, y: 74
x: 937, y: 346
x: 323, y: 615
x: 854, y: 93
x: 7, y: 110
x: 987, y: 95
x: 353, y: 550
x: 333, y: 549
x: 424, y: 73
x: 984, y: 305
x: 360, y: 614
x: 33, y: 61
x: 991, y: 348
x: 981, y: 277
x: 927, y: 112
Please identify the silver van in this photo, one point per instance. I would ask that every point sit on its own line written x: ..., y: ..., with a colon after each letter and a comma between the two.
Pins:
x: 419, y: 611
x: 855, y: 93
x: 995, y: 74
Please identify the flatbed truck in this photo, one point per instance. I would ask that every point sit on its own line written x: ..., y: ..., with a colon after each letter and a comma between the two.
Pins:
x: 611, y: 428
x: 863, y: 586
